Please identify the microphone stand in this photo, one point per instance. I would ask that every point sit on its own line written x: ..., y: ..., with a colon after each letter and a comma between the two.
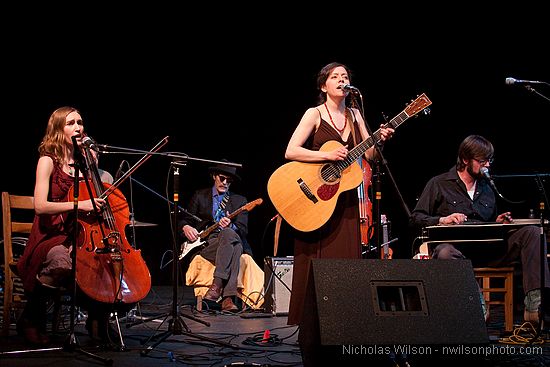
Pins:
x: 533, y: 90
x: 179, y: 208
x: 543, y: 258
x: 176, y: 325
x: 543, y: 203
x: 378, y: 194
x: 71, y: 343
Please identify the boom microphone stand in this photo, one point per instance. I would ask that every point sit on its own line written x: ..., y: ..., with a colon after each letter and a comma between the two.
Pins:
x: 71, y: 343
x: 528, y: 84
x: 543, y: 258
x: 377, y: 182
x: 176, y: 325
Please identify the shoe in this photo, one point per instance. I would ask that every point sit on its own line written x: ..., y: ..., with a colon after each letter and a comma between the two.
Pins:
x: 31, y: 333
x: 228, y: 305
x: 101, y: 331
x: 531, y: 316
x: 214, y: 293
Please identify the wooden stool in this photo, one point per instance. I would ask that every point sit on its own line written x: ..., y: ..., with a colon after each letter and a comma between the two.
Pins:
x: 485, y: 277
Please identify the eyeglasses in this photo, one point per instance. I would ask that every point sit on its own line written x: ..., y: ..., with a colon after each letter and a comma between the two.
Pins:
x: 483, y: 162
x: 223, y: 178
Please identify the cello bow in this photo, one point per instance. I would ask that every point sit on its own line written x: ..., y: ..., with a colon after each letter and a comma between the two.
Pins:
x: 132, y: 169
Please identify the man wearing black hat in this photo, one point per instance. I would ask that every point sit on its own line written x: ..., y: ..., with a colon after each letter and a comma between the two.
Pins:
x: 224, y: 246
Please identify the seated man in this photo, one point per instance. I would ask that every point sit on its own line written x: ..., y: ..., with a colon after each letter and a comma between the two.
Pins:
x: 460, y: 195
x: 224, y: 246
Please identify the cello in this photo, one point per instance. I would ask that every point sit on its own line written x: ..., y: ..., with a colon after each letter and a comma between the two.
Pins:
x: 108, y: 268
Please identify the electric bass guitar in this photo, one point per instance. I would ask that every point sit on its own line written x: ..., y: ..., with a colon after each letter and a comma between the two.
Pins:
x: 187, y: 246
x: 305, y: 194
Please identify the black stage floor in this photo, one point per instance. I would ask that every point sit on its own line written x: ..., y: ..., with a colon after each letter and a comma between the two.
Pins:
x: 216, y: 339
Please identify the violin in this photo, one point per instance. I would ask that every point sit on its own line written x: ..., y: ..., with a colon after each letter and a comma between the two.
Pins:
x: 365, y: 212
x: 365, y: 204
x: 108, y: 268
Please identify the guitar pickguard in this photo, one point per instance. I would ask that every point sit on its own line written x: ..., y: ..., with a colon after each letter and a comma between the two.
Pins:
x: 327, y: 192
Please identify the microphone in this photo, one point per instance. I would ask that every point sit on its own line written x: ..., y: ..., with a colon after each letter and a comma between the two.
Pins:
x: 485, y: 172
x: 77, y: 154
x: 89, y: 143
x: 120, y: 171
x: 511, y: 81
x: 348, y: 88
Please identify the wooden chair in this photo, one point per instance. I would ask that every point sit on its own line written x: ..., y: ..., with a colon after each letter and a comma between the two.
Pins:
x: 10, y: 204
x: 493, y: 281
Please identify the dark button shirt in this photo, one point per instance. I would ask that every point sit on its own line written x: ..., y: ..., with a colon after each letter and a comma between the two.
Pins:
x: 446, y: 194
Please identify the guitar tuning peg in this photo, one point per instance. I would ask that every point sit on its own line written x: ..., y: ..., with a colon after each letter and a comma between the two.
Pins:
x: 426, y: 111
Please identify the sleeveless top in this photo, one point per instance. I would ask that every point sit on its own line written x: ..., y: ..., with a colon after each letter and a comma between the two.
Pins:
x: 340, y: 237
x: 48, y: 230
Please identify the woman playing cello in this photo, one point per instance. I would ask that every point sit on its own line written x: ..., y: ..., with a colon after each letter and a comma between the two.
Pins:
x: 46, y: 262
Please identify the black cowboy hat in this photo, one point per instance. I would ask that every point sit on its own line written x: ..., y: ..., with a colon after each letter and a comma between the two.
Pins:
x: 230, y: 171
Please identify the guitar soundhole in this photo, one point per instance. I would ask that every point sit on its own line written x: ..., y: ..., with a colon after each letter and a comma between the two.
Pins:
x: 330, y: 174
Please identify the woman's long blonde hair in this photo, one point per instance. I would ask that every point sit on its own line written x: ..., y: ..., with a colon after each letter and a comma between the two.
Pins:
x: 53, y: 142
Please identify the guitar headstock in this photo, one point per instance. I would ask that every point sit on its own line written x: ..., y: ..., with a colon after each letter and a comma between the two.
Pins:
x: 419, y: 104
x: 252, y: 204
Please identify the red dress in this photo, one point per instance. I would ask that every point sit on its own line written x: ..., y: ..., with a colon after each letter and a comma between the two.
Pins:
x: 339, y: 238
x: 48, y: 230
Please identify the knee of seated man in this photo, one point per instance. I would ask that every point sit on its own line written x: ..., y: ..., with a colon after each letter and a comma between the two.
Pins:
x: 446, y: 251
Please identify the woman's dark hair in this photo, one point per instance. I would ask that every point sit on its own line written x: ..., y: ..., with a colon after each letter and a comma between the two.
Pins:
x: 474, y: 147
x: 323, y: 75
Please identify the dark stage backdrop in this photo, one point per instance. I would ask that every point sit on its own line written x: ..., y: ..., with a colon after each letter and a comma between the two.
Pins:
x: 237, y: 92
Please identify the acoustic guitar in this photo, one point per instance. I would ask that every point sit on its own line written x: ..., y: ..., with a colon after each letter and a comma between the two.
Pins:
x: 305, y: 194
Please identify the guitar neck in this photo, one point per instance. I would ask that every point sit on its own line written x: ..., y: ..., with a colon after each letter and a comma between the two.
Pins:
x: 215, y: 226
x: 362, y: 147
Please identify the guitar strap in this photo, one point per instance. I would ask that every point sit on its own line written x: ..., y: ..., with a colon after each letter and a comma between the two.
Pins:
x: 279, y: 218
x: 352, y: 125
x: 220, y: 211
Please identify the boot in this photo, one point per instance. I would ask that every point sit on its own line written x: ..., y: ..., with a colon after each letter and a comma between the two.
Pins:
x: 99, y: 327
x: 32, y: 323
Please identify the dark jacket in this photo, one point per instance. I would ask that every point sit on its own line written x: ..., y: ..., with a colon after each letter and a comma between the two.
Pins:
x: 200, y: 205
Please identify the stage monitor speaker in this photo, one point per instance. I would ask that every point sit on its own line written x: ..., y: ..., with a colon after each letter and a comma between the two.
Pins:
x: 278, y: 284
x: 365, y: 309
